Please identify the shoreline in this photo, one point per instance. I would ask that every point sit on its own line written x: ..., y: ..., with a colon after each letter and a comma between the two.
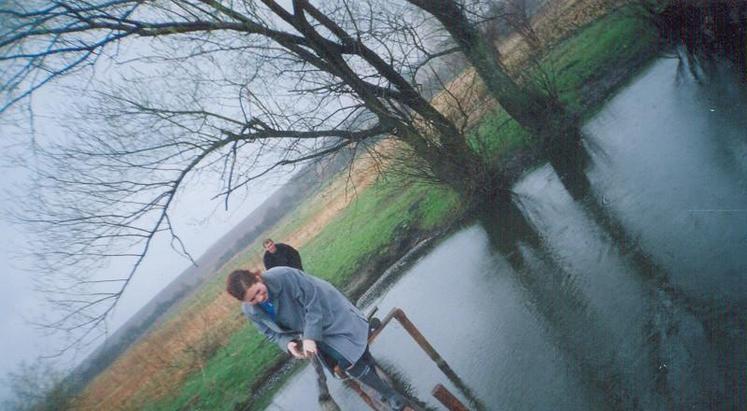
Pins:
x: 368, y: 286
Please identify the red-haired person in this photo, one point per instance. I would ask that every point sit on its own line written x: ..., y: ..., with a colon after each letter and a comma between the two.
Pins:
x: 305, y: 315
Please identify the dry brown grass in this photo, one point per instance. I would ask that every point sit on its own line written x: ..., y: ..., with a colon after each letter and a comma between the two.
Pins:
x: 157, y: 365
x: 161, y: 361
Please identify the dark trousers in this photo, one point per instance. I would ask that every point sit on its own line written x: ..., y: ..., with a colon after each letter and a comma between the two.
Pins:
x: 364, y: 370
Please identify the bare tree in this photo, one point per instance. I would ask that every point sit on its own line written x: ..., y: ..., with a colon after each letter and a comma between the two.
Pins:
x: 232, y: 90
x: 37, y: 386
x: 533, y: 104
x: 529, y: 106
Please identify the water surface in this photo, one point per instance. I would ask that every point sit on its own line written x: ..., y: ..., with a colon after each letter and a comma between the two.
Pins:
x: 649, y: 318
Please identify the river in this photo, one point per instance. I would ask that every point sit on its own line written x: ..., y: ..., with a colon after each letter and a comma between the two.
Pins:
x: 582, y: 323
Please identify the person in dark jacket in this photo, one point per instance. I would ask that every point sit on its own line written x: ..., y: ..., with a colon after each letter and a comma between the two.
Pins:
x: 307, y: 316
x: 280, y: 255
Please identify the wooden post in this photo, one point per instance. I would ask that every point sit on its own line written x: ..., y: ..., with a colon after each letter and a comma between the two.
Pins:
x: 326, y: 402
x: 445, y: 397
x: 353, y: 385
x: 411, y: 329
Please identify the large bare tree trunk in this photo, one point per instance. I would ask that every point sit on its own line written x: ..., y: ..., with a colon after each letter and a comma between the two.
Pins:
x: 524, y: 103
x: 541, y: 114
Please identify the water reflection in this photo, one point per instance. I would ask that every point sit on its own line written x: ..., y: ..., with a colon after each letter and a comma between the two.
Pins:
x: 674, y: 183
x: 645, y: 313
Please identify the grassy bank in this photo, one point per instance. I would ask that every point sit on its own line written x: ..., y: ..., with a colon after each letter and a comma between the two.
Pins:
x: 358, y: 235
x: 586, y: 68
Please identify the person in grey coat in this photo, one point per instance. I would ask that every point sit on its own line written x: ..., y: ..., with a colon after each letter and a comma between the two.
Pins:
x: 306, y: 316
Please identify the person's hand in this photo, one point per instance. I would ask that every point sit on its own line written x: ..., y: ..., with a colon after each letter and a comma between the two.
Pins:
x: 309, y: 348
x: 293, y: 348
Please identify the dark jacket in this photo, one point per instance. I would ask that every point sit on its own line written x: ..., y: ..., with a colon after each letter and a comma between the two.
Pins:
x: 284, y: 255
x: 309, y: 308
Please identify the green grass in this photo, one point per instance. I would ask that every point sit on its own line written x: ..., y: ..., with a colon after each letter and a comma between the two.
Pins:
x: 367, y: 227
x: 608, y: 44
x: 498, y: 134
x: 225, y: 379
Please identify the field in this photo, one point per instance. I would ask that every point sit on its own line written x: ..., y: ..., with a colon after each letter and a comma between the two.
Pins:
x: 206, y: 357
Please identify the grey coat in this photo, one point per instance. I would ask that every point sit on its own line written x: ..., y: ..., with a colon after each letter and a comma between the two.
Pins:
x: 309, y: 308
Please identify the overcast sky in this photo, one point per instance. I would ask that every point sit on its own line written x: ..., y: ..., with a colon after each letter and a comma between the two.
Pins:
x: 16, y: 296
x: 199, y: 221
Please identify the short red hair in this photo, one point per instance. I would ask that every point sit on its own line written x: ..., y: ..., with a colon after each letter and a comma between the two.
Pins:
x: 239, y: 281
